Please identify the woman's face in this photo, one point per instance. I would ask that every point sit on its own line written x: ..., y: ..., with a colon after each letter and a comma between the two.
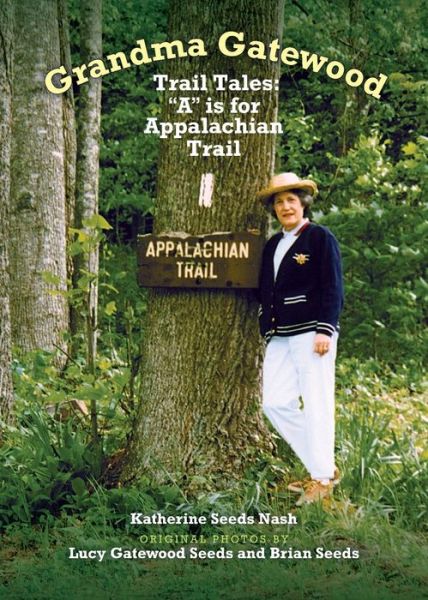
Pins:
x: 288, y: 209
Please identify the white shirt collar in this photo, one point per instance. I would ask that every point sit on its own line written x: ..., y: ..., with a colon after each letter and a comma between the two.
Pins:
x: 295, y: 229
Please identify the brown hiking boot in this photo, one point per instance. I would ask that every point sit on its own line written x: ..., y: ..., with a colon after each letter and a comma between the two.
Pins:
x: 336, y: 477
x: 314, y: 492
x: 299, y: 486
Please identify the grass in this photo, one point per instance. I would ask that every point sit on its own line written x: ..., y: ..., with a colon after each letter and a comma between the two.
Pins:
x: 391, y: 565
x: 379, y: 510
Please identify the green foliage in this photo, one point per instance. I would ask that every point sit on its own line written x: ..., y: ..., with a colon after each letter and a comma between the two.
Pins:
x: 367, y: 36
x: 122, y: 307
x: 47, y: 462
x: 391, y: 566
x: 49, y: 465
x: 380, y: 442
x: 369, y: 158
x: 128, y: 156
x: 379, y: 507
x: 45, y: 467
x: 379, y: 215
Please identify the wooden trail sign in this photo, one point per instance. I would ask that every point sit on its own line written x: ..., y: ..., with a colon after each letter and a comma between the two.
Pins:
x: 215, y: 260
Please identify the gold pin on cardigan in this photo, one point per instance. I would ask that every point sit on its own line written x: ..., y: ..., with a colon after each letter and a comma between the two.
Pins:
x: 301, y: 259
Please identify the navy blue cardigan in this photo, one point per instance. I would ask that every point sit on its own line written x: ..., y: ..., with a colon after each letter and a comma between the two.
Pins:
x: 307, y: 294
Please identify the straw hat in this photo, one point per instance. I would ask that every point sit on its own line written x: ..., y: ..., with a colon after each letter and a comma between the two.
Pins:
x: 283, y: 182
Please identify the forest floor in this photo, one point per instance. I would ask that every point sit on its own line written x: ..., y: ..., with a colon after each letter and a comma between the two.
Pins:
x: 36, y: 566
x: 379, y: 513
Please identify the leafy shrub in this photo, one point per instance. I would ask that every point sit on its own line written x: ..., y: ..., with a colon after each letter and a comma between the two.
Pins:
x: 44, y: 466
x: 380, y: 218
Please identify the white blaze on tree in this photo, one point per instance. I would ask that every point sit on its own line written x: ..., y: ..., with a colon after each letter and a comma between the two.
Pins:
x: 37, y: 219
x: 206, y: 190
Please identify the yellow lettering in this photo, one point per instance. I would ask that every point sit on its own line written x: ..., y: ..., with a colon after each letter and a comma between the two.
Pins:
x: 197, y: 251
x: 312, y: 61
x: 139, y: 54
x: 289, y: 56
x: 207, y: 250
x: 169, y: 247
x: 211, y: 274
x: 233, y: 252
x: 244, y: 250
x: 352, y: 80
x: 97, y: 69
x: 198, y: 272
x: 218, y: 250
x: 196, y: 48
x: 151, y: 249
x: 115, y: 59
x: 373, y: 86
x: 257, y: 50
x: 188, y: 270
x: 79, y: 71
x: 168, y: 47
x: 160, y: 247
x: 335, y: 69
x: 237, y: 49
x: 64, y: 81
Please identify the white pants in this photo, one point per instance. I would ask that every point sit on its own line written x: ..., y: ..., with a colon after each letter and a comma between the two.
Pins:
x: 292, y: 370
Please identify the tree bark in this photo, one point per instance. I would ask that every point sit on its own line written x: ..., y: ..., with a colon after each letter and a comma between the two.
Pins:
x: 200, y: 391
x: 69, y: 127
x: 6, y: 30
x: 37, y: 231
x: 354, y: 99
x: 87, y: 177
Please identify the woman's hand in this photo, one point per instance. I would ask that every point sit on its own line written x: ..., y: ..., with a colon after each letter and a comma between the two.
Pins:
x: 322, y: 343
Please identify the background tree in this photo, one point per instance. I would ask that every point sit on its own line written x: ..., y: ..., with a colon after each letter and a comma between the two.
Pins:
x: 69, y: 126
x: 6, y: 395
x: 86, y: 264
x: 88, y: 140
x: 37, y: 220
x: 128, y: 156
x: 199, y: 410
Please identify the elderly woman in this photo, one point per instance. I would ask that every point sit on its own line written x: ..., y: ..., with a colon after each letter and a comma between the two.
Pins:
x: 301, y: 294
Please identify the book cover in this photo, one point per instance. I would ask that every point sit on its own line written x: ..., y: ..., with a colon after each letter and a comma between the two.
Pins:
x: 135, y: 139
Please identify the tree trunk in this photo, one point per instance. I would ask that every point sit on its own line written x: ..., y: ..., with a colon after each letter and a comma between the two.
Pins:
x: 354, y: 99
x: 200, y: 392
x: 69, y: 127
x: 88, y: 137
x: 37, y: 231
x: 6, y: 392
